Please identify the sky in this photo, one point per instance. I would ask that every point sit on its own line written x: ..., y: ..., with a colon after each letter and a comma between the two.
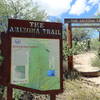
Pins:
x: 61, y: 9
x: 69, y: 8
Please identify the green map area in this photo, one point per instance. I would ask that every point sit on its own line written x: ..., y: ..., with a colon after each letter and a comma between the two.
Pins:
x: 35, y: 63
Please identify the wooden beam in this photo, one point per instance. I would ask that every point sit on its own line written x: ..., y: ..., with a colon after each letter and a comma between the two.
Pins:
x: 82, y: 20
x: 69, y: 35
x: 69, y: 43
x: 86, y: 26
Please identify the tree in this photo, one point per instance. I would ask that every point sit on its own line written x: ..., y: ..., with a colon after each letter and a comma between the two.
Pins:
x: 80, y: 34
x: 20, y: 9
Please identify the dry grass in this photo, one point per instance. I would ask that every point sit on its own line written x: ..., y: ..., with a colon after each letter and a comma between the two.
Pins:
x: 79, y: 90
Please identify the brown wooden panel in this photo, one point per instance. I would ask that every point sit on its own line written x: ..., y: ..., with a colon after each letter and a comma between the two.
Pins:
x: 34, y: 27
x: 34, y: 24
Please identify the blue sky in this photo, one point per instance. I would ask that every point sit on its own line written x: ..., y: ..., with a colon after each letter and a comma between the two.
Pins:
x: 61, y: 9
x: 70, y: 8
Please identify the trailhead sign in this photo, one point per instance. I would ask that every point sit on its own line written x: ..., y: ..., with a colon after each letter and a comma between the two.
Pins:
x: 35, y: 63
x: 33, y: 56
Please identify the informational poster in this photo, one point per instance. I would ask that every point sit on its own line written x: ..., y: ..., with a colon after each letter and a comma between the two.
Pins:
x: 35, y: 63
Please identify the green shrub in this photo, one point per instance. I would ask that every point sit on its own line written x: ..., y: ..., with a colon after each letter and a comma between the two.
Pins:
x: 95, y: 44
x: 17, y: 94
x: 77, y: 48
x: 79, y: 90
x: 96, y: 62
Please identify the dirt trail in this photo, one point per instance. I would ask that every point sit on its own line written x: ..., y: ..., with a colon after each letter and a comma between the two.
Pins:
x: 82, y: 62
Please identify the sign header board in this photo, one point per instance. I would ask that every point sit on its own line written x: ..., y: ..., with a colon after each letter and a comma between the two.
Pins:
x: 34, y: 27
x: 82, y: 20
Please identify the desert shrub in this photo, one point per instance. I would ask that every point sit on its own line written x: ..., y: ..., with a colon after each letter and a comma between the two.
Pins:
x: 96, y: 60
x: 17, y: 94
x: 77, y: 48
x: 95, y: 44
x: 79, y: 90
x: 1, y: 91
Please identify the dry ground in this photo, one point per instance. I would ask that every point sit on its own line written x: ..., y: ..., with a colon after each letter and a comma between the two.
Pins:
x: 80, y: 90
x: 83, y: 88
x: 82, y: 62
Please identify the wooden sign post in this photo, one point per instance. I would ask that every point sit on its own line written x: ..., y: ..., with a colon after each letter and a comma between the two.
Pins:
x: 30, y: 50
x: 52, y: 97
x: 9, y: 93
x: 69, y: 42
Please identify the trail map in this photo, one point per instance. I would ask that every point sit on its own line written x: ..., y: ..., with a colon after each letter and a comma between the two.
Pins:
x: 35, y: 63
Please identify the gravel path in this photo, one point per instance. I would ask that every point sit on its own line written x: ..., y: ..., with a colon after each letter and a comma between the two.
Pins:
x: 82, y: 63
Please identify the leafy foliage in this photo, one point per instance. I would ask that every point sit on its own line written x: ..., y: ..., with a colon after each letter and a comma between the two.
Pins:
x: 95, y: 44
x: 78, y: 47
x: 80, y: 34
x: 20, y: 9
x: 17, y: 94
x: 96, y: 60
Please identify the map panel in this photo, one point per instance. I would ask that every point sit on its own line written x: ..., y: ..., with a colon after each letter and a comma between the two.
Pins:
x: 35, y: 63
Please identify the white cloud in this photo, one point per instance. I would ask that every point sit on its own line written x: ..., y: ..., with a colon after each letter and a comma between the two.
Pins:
x: 58, y: 7
x: 98, y: 10
x: 94, y: 2
x: 97, y: 4
x: 79, y: 7
x: 54, y: 7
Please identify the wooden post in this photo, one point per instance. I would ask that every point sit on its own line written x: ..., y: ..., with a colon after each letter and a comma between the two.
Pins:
x: 69, y: 43
x: 9, y: 93
x: 52, y: 97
